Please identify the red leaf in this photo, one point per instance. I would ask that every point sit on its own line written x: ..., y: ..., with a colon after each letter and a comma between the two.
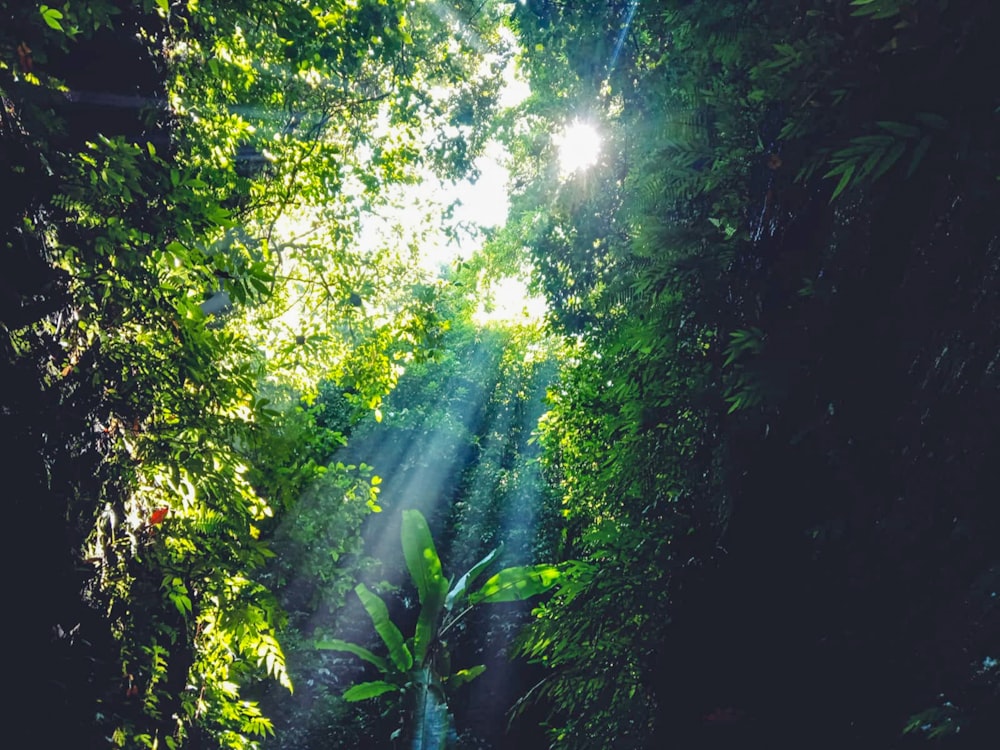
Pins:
x: 158, y: 515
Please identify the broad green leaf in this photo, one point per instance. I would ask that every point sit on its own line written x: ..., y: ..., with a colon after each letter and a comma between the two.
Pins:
x: 399, y: 654
x: 425, y: 569
x: 421, y: 556
x: 463, y: 583
x: 515, y: 584
x: 427, y: 622
x: 365, y: 690
x: 335, y: 644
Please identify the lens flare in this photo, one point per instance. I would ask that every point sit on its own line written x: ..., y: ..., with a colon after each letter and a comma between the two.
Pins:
x: 579, y: 146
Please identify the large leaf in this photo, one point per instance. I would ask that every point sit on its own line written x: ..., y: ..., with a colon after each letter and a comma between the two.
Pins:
x: 427, y: 622
x: 463, y: 583
x: 335, y: 644
x: 515, y: 584
x: 365, y: 690
x: 399, y: 654
x: 425, y: 569
x: 421, y: 556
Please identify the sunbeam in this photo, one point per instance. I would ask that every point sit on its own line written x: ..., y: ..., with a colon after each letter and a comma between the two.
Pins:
x: 519, y: 520
x: 454, y: 443
x: 622, y: 34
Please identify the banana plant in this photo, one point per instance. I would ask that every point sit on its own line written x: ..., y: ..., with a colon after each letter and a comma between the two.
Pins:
x: 418, y: 667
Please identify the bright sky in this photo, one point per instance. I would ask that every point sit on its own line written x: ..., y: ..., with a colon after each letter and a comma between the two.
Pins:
x: 482, y: 203
x: 485, y: 203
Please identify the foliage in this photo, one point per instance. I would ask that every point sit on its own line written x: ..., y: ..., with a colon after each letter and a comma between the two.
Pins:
x: 629, y: 258
x: 776, y: 396
x: 199, y: 233
x: 456, y: 439
x: 698, y: 278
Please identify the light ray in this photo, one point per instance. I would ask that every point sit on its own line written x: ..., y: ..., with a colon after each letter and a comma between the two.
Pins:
x: 621, y: 35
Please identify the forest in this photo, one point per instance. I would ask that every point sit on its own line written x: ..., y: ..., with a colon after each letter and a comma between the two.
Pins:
x: 297, y: 470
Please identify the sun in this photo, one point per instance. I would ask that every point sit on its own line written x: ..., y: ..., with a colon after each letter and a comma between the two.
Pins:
x: 579, y: 146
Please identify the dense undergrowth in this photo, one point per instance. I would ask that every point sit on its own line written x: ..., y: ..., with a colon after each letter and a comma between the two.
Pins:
x: 181, y: 271
x: 777, y: 439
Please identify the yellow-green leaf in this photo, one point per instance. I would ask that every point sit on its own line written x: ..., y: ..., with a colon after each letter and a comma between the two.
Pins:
x: 515, y: 584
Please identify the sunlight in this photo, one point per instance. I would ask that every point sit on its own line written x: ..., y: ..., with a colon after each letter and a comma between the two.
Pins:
x: 510, y: 302
x: 579, y: 146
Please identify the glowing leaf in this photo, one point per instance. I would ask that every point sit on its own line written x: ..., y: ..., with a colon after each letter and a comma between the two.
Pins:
x: 515, y: 584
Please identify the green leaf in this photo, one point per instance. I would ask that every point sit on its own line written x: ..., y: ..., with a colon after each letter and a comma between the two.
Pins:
x: 845, y: 180
x: 425, y: 569
x: 51, y: 17
x: 891, y: 158
x: 460, y: 587
x: 335, y: 644
x: 918, y: 154
x: 463, y: 676
x: 399, y: 654
x: 421, y: 556
x: 515, y: 584
x: 365, y: 690
x: 871, y: 162
x: 427, y: 624
x: 899, y: 128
